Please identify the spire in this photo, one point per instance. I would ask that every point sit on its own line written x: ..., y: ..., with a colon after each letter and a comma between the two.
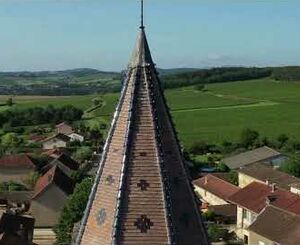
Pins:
x: 141, y: 55
x: 142, y: 193
x: 142, y: 15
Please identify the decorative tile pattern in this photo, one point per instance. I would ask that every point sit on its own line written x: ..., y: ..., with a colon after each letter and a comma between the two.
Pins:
x: 101, y: 216
x: 143, y: 185
x: 109, y: 180
x: 143, y: 224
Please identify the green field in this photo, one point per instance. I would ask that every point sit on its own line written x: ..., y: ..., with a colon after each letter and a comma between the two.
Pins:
x: 220, y: 113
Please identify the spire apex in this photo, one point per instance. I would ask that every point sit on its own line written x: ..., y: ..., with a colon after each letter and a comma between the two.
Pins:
x: 142, y: 15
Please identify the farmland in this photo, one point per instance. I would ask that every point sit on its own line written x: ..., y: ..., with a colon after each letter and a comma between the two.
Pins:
x: 219, y: 113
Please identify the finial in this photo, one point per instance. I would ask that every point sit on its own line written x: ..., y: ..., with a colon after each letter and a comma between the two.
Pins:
x: 142, y: 14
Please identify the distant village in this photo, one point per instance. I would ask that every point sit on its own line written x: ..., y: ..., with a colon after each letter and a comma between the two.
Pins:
x: 34, y: 190
x: 262, y: 207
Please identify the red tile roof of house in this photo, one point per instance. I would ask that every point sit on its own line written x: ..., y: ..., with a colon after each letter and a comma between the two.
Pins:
x: 56, y: 176
x: 255, y: 195
x: 37, y: 138
x: 16, y: 161
x: 59, y: 136
x: 217, y: 186
x: 56, y: 152
x: 62, y: 124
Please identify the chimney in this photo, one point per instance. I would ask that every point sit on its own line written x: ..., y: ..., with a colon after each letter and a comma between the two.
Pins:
x: 270, y: 199
x: 267, y: 182
x: 205, y: 180
x: 273, y: 187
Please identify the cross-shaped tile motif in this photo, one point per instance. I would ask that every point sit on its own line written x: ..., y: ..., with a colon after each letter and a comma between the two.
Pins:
x: 143, y: 224
x: 109, y: 180
x: 143, y: 185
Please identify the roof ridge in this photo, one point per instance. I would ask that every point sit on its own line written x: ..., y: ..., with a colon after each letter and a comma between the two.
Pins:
x: 227, y: 182
x: 283, y: 210
x: 49, y: 181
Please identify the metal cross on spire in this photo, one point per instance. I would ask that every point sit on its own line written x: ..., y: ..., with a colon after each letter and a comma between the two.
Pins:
x: 142, y: 15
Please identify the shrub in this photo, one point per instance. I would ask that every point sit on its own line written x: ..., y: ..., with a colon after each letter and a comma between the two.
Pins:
x: 233, y: 177
x: 72, y: 212
x: 249, y: 138
x: 199, y: 148
x: 216, y: 233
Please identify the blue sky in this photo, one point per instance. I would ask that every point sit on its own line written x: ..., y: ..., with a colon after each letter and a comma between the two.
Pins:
x: 62, y: 34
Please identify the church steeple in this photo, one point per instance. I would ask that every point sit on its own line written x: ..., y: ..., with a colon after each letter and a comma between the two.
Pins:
x: 142, y: 15
x: 142, y: 193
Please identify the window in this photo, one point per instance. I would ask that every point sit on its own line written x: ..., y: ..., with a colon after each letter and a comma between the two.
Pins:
x: 261, y: 243
x: 246, y: 240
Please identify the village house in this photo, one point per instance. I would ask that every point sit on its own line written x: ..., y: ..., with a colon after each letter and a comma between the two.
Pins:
x: 50, y: 194
x: 262, y: 154
x: 64, y: 128
x: 65, y: 163
x: 275, y: 226
x: 253, y: 198
x: 264, y: 173
x: 56, y: 141
x: 56, y: 152
x: 16, y: 168
x: 35, y: 138
x: 76, y: 137
x: 214, y: 190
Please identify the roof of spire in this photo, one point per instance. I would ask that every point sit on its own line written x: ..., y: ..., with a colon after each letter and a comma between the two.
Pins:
x: 141, y: 55
x: 142, y: 193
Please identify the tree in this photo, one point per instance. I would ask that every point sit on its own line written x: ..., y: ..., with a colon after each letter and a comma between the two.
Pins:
x: 12, y: 186
x: 72, y: 212
x: 32, y: 179
x: 282, y: 140
x: 83, y: 153
x: 9, y: 101
x: 233, y: 177
x: 222, y: 167
x: 11, y: 140
x: 200, y: 87
x: 216, y: 233
x: 199, y: 148
x: 97, y: 101
x: 209, y: 215
x: 292, y: 166
x: 249, y: 137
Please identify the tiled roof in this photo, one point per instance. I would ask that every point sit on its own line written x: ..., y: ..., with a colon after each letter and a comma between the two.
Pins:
x: 278, y: 226
x: 16, y: 161
x: 53, y: 176
x: 64, y: 162
x: 37, y: 138
x: 245, y: 158
x: 16, y: 196
x: 255, y: 195
x: 68, y: 162
x: 156, y: 204
x: 265, y: 173
x: 55, y: 152
x: 62, y: 125
x: 216, y: 186
x: 62, y: 137
x: 226, y: 210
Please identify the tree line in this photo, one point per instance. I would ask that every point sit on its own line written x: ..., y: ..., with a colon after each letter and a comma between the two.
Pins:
x: 39, y: 115
x: 214, y: 75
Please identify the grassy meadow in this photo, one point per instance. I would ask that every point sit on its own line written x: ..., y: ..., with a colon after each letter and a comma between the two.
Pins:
x: 219, y: 113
